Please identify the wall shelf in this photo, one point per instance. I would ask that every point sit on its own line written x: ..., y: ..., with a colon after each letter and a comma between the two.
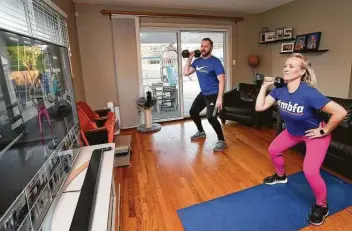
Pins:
x: 278, y: 41
x: 307, y: 51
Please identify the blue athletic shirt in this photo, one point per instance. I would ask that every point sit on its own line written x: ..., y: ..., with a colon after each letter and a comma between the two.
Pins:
x: 207, y: 71
x: 299, y: 109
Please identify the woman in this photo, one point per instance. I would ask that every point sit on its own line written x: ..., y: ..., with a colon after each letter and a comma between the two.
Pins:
x: 37, y: 95
x: 298, y: 101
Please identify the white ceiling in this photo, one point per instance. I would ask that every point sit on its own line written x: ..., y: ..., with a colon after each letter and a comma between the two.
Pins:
x: 242, y: 6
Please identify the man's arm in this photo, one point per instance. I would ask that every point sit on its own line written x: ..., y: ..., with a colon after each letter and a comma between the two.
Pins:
x: 219, y: 100
x: 220, y: 73
x: 221, y: 79
x: 188, y: 69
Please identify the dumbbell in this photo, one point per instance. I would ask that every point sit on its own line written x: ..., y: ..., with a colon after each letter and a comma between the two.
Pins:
x: 186, y: 53
x: 278, y: 82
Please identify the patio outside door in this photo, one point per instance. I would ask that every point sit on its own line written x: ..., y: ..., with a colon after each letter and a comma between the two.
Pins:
x: 160, y: 72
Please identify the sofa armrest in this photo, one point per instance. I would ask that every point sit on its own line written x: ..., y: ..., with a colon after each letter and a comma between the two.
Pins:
x: 100, y: 121
x: 102, y: 112
x: 97, y: 136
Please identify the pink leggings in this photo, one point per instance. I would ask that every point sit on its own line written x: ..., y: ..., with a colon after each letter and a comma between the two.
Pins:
x: 43, y: 112
x: 315, y: 153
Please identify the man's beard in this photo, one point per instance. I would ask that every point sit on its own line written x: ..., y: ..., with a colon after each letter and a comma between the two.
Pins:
x: 206, y: 54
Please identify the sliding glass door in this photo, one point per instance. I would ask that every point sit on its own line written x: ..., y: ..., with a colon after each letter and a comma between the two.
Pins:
x: 160, y: 72
x: 162, y: 67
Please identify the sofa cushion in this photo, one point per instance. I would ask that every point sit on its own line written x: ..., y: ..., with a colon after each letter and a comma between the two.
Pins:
x: 341, y: 149
x: 238, y: 110
x: 248, y: 92
x: 345, y: 103
x: 342, y: 135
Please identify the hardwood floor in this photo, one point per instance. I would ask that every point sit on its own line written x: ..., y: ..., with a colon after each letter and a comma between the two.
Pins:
x: 170, y: 172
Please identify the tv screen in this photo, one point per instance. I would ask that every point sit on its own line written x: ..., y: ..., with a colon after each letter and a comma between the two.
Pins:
x: 39, y: 135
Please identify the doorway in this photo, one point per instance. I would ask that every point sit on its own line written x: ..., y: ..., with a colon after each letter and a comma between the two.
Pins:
x: 160, y: 72
x: 162, y: 68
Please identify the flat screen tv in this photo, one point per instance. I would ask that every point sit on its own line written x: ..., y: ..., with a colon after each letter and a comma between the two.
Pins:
x: 39, y: 133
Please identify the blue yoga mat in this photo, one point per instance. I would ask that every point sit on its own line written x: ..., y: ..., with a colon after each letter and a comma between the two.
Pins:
x: 282, y: 207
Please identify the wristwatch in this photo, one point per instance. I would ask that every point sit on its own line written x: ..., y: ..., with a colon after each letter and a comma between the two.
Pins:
x: 322, y: 132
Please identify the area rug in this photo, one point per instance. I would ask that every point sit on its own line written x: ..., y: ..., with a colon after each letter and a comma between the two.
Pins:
x: 282, y: 207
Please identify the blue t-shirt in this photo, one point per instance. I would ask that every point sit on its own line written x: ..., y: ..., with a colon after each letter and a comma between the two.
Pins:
x: 299, y: 109
x: 207, y: 71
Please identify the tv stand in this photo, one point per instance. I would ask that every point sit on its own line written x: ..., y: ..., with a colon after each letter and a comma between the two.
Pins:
x: 122, y: 150
x: 88, y: 196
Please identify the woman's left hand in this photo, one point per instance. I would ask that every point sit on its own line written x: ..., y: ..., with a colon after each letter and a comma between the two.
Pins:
x: 315, y: 133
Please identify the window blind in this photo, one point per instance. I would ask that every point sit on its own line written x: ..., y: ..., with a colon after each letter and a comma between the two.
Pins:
x: 34, y: 18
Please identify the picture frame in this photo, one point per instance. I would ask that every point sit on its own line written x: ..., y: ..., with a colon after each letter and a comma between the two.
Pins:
x: 262, y: 34
x: 288, y: 33
x: 300, y: 43
x: 287, y: 47
x: 279, y: 33
x: 270, y: 36
x: 313, y: 41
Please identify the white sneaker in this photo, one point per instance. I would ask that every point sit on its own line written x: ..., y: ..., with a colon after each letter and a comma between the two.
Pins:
x: 198, y: 135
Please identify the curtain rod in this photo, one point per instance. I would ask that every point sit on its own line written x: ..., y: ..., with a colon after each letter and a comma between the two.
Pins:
x: 144, y: 14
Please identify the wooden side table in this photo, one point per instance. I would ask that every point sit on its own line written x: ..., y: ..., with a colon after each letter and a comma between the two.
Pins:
x: 122, y: 150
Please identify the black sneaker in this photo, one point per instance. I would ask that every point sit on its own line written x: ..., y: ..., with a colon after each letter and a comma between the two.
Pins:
x: 318, y: 214
x: 275, y: 179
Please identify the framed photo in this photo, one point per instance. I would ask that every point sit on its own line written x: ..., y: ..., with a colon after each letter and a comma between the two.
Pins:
x: 262, y: 34
x: 288, y: 33
x: 287, y: 47
x: 270, y: 36
x: 300, y: 43
x: 16, y: 214
x: 280, y: 33
x: 313, y: 40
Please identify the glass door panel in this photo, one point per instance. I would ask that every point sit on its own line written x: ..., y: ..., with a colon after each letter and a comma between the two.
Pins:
x: 160, y: 72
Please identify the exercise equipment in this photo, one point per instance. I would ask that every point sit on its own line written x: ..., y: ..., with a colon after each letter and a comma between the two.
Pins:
x: 278, y: 81
x: 168, y: 65
x: 215, y: 111
x: 186, y: 53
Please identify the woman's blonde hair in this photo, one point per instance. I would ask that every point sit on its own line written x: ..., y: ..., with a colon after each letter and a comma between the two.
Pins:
x: 309, y: 76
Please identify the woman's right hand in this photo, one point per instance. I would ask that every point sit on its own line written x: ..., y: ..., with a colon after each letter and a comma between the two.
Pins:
x: 264, y: 101
x: 268, y: 81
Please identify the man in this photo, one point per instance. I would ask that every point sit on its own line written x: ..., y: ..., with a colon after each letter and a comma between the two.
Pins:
x: 211, y: 77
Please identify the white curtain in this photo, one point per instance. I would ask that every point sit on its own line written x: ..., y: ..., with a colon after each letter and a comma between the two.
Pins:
x: 125, y: 32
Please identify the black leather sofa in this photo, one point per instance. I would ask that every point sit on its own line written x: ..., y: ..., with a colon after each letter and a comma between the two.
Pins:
x: 239, y: 106
x: 339, y: 154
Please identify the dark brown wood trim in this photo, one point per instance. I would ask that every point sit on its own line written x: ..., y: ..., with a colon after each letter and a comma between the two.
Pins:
x: 155, y: 14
